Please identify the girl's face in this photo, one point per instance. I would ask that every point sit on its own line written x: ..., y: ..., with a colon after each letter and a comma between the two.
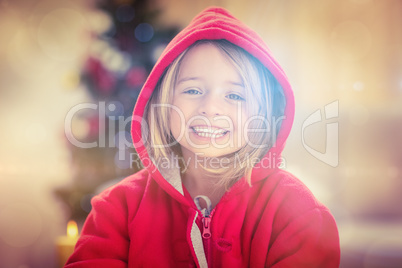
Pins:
x: 209, y: 105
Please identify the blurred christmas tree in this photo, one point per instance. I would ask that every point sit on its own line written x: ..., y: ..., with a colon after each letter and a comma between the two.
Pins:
x: 118, y: 64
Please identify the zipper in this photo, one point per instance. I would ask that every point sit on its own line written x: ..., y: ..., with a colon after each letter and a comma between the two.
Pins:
x: 206, y: 224
x: 206, y: 232
x: 206, y: 220
x: 206, y: 237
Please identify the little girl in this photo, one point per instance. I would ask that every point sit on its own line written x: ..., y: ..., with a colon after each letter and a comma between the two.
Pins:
x: 209, y: 126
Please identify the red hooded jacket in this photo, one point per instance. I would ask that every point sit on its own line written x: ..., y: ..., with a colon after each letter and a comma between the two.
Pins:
x: 148, y: 220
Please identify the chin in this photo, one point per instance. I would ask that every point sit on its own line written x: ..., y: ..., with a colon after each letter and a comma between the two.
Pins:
x: 214, y: 153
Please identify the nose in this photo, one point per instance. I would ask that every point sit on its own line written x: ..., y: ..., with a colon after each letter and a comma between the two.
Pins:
x: 211, y: 106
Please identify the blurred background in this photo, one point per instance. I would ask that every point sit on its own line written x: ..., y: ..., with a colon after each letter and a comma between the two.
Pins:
x: 70, y: 72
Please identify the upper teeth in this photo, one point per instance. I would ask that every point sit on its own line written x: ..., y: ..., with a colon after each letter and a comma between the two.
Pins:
x: 209, y: 130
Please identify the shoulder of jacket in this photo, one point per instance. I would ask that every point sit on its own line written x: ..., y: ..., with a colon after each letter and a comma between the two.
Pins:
x: 289, y: 199
x: 292, y: 190
x: 133, y: 185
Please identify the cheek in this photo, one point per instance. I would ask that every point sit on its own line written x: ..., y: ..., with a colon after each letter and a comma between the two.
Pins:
x: 241, y: 120
x: 242, y: 128
x: 181, y: 108
x: 177, y: 122
x: 174, y: 121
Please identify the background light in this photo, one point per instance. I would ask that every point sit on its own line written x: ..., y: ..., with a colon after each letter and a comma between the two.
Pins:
x: 144, y: 32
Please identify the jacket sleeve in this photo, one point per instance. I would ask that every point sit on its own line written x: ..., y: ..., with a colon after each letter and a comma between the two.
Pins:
x: 104, y: 240
x: 310, y: 240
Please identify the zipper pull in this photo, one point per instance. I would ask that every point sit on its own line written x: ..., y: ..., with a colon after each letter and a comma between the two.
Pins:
x: 206, y: 232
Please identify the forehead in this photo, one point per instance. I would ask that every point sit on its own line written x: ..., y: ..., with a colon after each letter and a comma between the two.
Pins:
x: 206, y: 61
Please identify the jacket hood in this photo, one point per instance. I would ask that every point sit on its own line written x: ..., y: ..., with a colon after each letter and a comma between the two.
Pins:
x: 214, y: 23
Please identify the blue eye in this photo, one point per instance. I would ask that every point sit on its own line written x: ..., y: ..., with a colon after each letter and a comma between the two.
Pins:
x: 235, y: 97
x: 192, y: 92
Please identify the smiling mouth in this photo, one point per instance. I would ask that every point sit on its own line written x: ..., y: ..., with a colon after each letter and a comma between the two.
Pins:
x: 209, y: 132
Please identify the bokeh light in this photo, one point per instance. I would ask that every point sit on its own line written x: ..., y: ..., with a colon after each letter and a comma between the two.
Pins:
x: 158, y: 51
x: 144, y: 32
x: 358, y: 86
x: 100, y: 22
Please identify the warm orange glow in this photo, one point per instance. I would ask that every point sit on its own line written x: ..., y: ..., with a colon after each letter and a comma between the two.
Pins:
x: 72, y: 229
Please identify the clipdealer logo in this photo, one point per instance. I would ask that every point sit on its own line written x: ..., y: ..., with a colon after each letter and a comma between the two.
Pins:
x: 331, y: 154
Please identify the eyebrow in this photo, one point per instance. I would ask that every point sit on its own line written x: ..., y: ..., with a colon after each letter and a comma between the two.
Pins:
x: 185, y: 79
x: 188, y: 79
x: 236, y: 83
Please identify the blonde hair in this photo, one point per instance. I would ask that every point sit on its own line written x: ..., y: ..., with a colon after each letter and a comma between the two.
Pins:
x: 264, y: 98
